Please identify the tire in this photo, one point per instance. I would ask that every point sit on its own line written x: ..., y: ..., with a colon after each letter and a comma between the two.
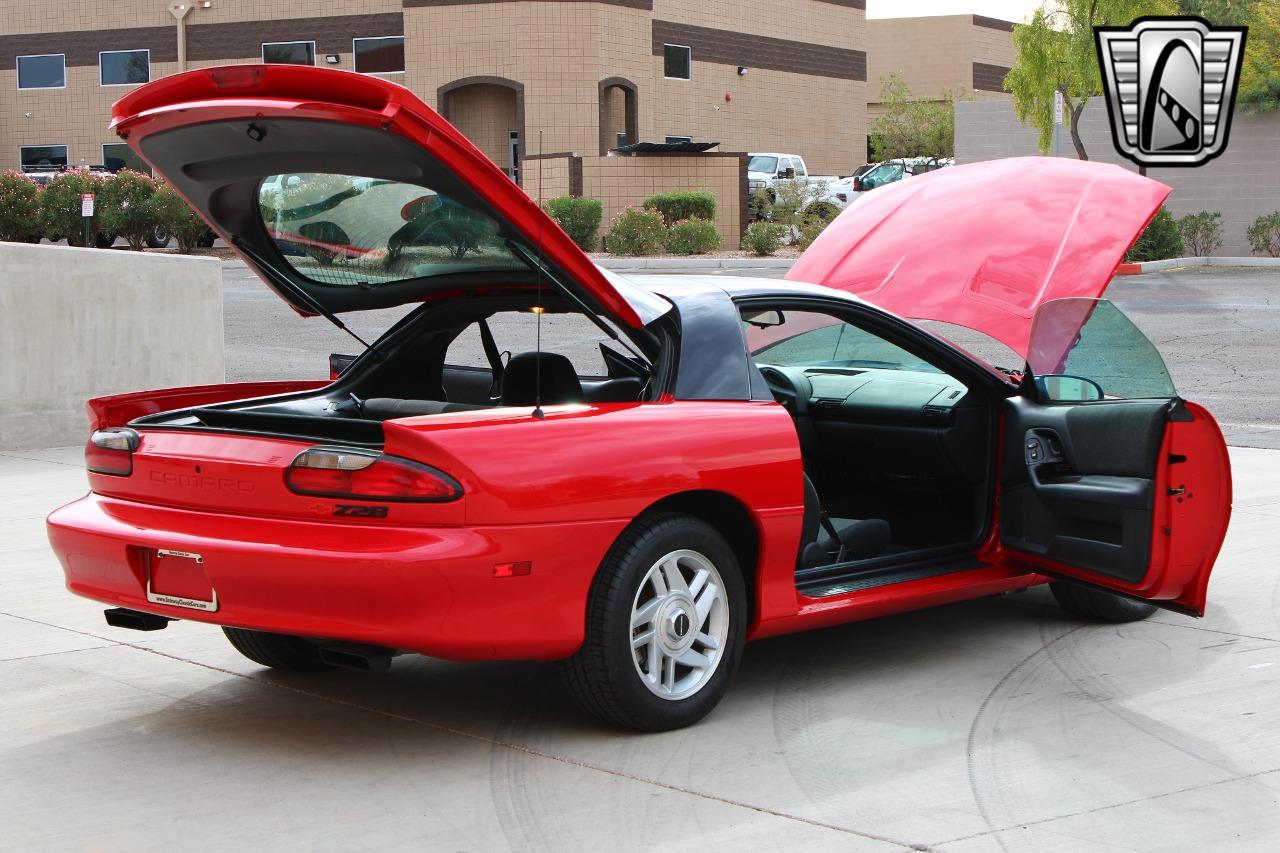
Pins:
x: 1095, y: 605
x: 158, y: 238
x: 206, y: 242
x: 104, y: 241
x: 278, y: 651
x: 608, y: 674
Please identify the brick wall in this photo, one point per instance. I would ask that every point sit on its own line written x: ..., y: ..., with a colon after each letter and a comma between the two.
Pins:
x: 1242, y: 184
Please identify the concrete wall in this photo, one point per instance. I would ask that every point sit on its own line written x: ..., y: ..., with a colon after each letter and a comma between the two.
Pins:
x: 1242, y: 184
x: 81, y: 323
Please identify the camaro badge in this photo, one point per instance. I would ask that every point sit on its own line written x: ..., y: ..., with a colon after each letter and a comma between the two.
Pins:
x: 1170, y: 84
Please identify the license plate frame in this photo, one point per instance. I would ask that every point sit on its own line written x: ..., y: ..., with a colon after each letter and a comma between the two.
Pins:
x: 186, y: 601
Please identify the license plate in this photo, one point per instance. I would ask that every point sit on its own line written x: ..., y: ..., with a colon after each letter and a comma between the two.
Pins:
x: 178, y: 579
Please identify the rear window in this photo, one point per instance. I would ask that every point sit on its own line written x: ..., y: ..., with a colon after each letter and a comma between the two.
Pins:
x: 353, y: 231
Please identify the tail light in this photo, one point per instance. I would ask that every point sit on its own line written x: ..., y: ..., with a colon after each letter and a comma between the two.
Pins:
x: 110, y: 451
x: 340, y: 472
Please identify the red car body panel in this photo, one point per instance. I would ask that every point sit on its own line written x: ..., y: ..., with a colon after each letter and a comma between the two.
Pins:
x: 1050, y: 228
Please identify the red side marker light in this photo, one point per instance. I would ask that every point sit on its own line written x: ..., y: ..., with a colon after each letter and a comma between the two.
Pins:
x: 512, y: 570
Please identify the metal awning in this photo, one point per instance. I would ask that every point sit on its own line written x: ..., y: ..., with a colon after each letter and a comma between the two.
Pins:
x: 666, y: 147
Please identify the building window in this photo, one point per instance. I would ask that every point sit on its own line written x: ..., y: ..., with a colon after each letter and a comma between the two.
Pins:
x: 677, y: 61
x: 46, y: 71
x: 42, y: 155
x: 289, y: 52
x: 674, y: 139
x: 118, y: 155
x: 124, y: 67
x: 378, y: 55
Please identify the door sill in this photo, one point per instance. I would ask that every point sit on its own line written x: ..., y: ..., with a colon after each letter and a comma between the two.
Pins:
x: 857, y: 580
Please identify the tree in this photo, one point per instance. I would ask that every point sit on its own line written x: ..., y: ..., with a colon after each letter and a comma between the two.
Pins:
x: 1260, y: 74
x: 1056, y: 53
x: 125, y: 209
x: 913, y: 128
x: 172, y: 212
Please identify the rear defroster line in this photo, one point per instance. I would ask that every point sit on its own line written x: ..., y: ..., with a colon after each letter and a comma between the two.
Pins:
x: 527, y: 750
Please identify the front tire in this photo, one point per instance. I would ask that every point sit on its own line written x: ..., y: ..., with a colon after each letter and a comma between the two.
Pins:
x: 1096, y: 605
x: 278, y: 651
x: 666, y: 621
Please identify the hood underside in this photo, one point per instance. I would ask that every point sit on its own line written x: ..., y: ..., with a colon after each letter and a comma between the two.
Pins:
x: 984, y: 245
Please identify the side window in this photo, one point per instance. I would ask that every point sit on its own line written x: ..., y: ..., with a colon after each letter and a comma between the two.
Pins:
x: 814, y: 339
x: 1087, y: 349
x: 798, y: 164
x: 570, y: 334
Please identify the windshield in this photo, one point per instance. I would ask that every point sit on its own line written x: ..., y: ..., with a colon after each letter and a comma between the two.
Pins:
x: 811, y: 339
x: 356, y: 231
x: 886, y: 172
x: 760, y: 163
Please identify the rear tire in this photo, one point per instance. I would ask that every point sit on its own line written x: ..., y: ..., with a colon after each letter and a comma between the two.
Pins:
x: 674, y: 580
x: 1095, y: 605
x: 278, y: 651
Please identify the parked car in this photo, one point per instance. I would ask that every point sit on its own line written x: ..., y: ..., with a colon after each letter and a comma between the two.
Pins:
x: 891, y: 171
x: 765, y: 170
x: 840, y: 192
x: 836, y: 461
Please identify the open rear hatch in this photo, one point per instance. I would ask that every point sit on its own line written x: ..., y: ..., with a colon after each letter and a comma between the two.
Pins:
x: 347, y: 192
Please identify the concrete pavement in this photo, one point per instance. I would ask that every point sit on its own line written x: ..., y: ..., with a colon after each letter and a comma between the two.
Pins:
x: 998, y: 724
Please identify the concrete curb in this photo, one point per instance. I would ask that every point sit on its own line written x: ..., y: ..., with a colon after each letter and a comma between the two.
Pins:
x: 695, y: 263
x: 1176, y: 263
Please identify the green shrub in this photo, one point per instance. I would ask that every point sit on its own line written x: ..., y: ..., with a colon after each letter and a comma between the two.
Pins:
x: 763, y: 238
x: 682, y: 204
x: 1159, y: 241
x: 579, y: 217
x: 19, y: 207
x: 1201, y: 232
x: 693, y: 237
x: 172, y: 213
x: 636, y: 232
x: 808, y: 230
x: 824, y: 210
x: 1264, y: 235
x: 60, y: 205
x: 124, y: 208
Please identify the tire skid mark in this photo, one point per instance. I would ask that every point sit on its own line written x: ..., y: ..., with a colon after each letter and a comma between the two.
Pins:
x: 984, y: 731
x: 1095, y: 686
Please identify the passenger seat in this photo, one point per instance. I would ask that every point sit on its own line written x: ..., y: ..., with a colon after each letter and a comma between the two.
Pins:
x: 824, y: 539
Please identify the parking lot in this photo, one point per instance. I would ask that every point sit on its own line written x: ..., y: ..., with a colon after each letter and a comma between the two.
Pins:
x: 997, y: 724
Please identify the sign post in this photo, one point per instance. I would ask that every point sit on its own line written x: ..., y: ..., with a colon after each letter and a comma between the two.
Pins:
x: 86, y: 213
x: 1057, y: 119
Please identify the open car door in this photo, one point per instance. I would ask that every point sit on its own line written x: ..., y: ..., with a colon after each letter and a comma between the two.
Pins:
x: 1108, y: 478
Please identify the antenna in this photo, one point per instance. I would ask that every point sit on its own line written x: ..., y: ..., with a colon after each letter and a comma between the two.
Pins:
x: 537, y: 364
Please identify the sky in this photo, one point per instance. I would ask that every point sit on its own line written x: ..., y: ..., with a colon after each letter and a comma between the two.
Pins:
x: 1009, y: 10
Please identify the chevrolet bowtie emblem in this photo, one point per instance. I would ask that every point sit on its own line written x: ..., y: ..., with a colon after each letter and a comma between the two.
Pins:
x: 1170, y: 84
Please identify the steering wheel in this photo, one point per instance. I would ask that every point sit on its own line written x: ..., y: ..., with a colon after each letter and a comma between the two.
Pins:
x: 789, y: 386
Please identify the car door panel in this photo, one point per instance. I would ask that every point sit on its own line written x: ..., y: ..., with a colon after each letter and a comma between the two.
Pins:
x: 1078, y: 488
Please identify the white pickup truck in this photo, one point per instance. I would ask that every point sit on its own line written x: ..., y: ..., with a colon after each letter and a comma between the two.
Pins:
x: 765, y: 170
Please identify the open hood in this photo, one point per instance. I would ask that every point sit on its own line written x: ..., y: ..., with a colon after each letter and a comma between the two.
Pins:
x: 346, y: 192
x: 983, y: 246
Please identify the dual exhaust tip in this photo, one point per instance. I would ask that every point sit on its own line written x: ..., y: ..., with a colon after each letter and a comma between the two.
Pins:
x: 356, y: 656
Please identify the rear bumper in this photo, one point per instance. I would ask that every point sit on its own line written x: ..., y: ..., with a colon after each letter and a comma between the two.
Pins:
x: 427, y: 590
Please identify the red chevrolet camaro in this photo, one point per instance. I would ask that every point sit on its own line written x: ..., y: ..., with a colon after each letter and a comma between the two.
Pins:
x: 731, y: 459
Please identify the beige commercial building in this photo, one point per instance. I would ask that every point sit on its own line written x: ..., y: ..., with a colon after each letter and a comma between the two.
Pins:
x: 520, y: 78
x: 966, y: 56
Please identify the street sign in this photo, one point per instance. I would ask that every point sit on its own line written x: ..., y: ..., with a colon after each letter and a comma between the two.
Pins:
x: 1057, y: 108
x: 86, y: 205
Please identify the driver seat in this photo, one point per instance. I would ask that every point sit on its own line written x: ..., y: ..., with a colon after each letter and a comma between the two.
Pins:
x: 828, y: 540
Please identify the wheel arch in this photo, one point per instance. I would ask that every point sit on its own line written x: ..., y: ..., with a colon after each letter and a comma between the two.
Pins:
x: 733, y: 520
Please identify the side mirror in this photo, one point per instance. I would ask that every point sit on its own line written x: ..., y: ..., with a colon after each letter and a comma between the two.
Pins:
x: 1067, y: 389
x: 764, y: 319
x: 787, y: 174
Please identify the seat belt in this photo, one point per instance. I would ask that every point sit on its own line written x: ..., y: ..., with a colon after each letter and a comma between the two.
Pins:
x: 825, y: 520
x: 494, y: 358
